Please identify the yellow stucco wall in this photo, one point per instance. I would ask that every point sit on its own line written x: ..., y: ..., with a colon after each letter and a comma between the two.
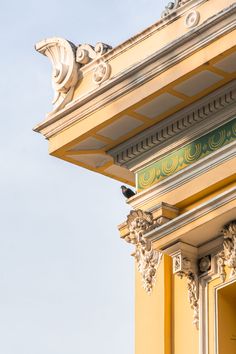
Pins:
x: 185, y: 334
x: 153, y: 313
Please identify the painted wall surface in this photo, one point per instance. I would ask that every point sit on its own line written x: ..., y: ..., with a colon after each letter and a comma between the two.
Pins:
x: 185, y: 334
x: 152, y: 313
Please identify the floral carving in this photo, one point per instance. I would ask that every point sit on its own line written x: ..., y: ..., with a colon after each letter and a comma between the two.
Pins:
x: 148, y: 260
x: 101, y: 72
x: 227, y: 257
x: 173, y: 5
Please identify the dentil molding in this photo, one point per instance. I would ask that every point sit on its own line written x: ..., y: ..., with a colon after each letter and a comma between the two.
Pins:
x: 178, y: 125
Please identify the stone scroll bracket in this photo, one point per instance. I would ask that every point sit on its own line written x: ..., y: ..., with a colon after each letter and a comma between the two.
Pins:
x: 67, y: 59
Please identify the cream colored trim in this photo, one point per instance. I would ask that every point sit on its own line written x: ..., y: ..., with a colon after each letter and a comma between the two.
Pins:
x: 192, y: 215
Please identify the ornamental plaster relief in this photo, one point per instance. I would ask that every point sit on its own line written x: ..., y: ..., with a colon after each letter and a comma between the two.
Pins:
x: 148, y: 260
x: 67, y: 60
x: 227, y: 257
x: 185, y: 266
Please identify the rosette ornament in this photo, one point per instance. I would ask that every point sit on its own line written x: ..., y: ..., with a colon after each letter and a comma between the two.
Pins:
x: 65, y: 68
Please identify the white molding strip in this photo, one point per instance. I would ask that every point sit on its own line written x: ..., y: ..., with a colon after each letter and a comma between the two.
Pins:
x: 192, y: 215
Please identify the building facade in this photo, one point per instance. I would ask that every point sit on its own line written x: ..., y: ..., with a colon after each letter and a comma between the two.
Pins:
x: 158, y: 112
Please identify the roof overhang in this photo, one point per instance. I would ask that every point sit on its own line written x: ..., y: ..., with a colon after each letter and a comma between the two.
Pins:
x: 121, y: 92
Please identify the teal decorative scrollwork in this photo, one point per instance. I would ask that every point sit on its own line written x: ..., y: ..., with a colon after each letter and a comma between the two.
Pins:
x: 187, y: 155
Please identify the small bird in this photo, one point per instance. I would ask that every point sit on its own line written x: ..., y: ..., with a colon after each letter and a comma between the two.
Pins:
x: 127, y: 192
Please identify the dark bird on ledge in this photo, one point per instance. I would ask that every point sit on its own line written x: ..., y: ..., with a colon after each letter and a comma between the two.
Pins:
x: 127, y: 192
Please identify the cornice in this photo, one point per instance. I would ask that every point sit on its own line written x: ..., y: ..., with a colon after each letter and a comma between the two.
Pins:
x: 192, y: 215
x: 196, y: 39
x: 164, y: 134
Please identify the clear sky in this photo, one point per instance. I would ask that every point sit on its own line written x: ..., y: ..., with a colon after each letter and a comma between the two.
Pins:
x: 66, y: 279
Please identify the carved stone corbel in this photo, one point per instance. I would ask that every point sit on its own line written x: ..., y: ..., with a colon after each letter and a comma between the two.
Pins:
x: 185, y: 265
x: 148, y: 260
x: 227, y: 257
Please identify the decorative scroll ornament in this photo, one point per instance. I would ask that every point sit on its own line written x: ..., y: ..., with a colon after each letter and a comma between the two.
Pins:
x: 171, y: 6
x: 86, y: 53
x: 227, y: 257
x: 66, y: 60
x: 65, y: 69
x: 184, y: 267
x: 148, y: 260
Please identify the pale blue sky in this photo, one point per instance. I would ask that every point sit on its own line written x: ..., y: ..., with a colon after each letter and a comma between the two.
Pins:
x: 66, y: 279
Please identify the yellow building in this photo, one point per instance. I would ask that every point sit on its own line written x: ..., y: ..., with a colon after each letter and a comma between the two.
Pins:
x: 158, y: 112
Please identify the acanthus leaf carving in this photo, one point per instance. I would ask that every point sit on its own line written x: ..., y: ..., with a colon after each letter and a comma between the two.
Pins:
x: 227, y: 257
x: 148, y: 260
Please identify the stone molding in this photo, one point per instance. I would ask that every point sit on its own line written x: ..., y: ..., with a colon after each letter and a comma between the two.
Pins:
x: 176, y: 125
x: 191, y: 216
x: 148, y: 260
x: 66, y: 61
x: 197, y: 38
x: 227, y: 257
